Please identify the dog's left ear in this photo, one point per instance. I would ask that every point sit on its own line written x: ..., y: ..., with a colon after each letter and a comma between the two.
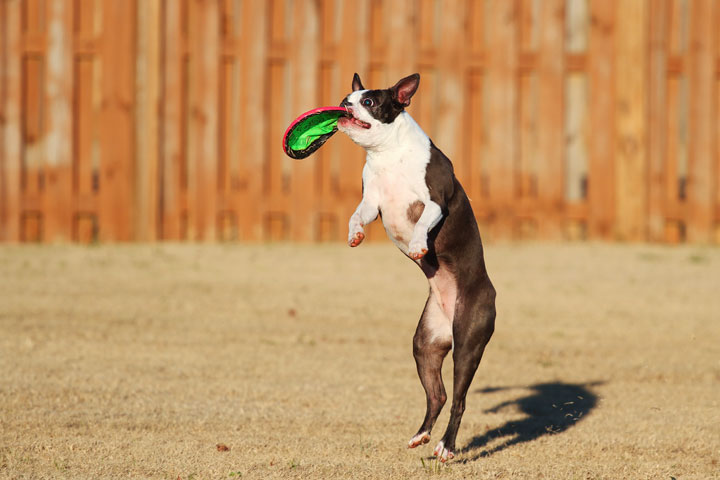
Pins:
x: 404, y: 89
x: 357, y: 84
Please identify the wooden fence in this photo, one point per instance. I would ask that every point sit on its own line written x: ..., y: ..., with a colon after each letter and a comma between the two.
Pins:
x: 162, y: 119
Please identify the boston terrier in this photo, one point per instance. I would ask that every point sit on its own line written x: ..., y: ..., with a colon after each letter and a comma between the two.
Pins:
x: 410, y: 183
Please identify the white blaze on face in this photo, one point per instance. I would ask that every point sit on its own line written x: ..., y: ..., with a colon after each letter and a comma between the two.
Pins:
x: 368, y: 138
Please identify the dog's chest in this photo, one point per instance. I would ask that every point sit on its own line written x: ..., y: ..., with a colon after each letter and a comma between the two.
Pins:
x: 401, y: 192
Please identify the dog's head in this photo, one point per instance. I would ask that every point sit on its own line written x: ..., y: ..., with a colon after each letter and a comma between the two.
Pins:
x: 372, y: 113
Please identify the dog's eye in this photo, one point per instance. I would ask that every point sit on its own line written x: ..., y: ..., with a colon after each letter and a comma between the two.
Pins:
x: 367, y: 102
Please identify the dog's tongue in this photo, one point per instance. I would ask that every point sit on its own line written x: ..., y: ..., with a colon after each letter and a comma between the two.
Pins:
x: 353, y: 119
x: 359, y: 122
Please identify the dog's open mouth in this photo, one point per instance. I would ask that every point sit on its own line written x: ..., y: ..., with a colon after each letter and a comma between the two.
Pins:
x: 351, y: 120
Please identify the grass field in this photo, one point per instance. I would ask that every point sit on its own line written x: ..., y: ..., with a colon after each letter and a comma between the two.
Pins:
x: 138, y: 361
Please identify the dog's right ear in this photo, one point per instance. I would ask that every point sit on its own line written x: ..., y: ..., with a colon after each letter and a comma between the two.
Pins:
x: 406, y: 88
x: 357, y: 84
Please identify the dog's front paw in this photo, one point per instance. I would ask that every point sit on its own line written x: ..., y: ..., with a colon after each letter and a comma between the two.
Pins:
x: 443, y: 454
x: 355, y: 238
x: 417, y: 249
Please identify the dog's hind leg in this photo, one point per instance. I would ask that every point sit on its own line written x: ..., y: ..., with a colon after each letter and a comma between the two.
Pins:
x: 473, y: 326
x: 432, y: 341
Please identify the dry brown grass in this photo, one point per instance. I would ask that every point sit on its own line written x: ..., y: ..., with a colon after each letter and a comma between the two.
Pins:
x: 136, y: 361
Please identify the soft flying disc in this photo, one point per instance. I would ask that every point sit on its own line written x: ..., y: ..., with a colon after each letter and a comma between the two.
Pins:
x: 311, y: 130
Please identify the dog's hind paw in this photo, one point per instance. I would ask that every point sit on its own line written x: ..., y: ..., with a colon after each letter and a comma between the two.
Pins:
x: 419, y: 439
x: 442, y: 453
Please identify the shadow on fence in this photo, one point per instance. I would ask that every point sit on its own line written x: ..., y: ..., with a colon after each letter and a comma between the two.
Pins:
x: 550, y: 408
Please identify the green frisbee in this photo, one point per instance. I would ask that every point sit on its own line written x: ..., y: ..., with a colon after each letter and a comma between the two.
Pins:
x: 311, y: 130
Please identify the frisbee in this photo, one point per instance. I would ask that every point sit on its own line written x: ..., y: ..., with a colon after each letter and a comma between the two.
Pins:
x: 311, y: 130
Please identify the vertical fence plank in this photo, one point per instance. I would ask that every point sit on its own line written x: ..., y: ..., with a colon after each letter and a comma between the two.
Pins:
x: 252, y: 97
x: 426, y: 42
x: 276, y: 176
x: 146, y: 120
x: 550, y: 158
x: 676, y: 123
x: 474, y: 141
x: 58, y: 195
x: 86, y: 119
x: 229, y: 182
x: 204, y: 43
x: 449, y: 88
x: 474, y: 138
x: 33, y: 116
x: 171, y: 114
x: 529, y: 123
x: 401, y: 54
x: 601, y: 142
x: 501, y: 107
x: 657, y: 111
x: 10, y: 120
x: 674, y: 151
x: 701, y: 148
x: 631, y: 118
x: 117, y: 138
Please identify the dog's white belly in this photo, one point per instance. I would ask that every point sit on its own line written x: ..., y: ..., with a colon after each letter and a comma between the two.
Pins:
x: 397, y: 199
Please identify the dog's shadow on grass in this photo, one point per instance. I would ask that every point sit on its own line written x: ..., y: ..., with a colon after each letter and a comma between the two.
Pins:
x: 549, y: 409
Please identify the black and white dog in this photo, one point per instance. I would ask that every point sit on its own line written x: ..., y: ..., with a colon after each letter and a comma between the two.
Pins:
x: 410, y: 183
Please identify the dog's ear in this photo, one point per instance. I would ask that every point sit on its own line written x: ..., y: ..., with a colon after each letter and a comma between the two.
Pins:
x: 403, y: 90
x: 357, y: 84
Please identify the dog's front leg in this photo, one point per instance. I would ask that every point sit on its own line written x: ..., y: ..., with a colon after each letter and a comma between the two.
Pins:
x: 365, y: 213
x: 431, y: 216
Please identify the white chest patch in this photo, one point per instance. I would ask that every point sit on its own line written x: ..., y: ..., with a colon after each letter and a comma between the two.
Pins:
x: 394, y: 177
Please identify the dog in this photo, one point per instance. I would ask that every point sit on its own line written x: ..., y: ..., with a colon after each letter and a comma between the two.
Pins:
x: 411, y: 185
